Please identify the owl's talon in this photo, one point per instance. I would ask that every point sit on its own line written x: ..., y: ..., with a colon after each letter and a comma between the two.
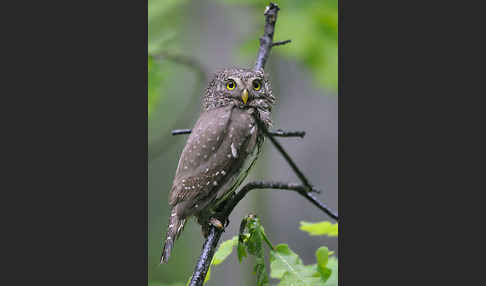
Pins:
x: 216, y: 223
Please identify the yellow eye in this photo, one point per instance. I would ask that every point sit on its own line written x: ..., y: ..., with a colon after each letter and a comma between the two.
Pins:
x: 257, y: 85
x: 231, y: 85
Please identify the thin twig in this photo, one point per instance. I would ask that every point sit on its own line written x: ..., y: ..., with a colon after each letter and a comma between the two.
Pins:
x: 281, y: 43
x: 278, y: 133
x: 267, y: 39
x: 282, y: 133
x: 181, y: 131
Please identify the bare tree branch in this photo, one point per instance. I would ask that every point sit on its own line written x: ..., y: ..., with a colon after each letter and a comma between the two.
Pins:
x: 206, y: 256
x: 267, y: 39
x: 278, y: 133
x: 299, y: 188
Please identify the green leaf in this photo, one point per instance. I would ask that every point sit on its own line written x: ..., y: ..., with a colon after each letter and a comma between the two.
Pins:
x: 283, y: 260
x: 241, y: 251
x: 322, y: 257
x: 224, y: 250
x: 208, y: 275
x: 303, y: 278
x: 288, y: 267
x: 320, y: 228
x: 251, y: 239
x: 332, y: 264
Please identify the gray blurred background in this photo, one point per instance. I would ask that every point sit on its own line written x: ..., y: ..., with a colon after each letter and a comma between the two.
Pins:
x: 220, y: 34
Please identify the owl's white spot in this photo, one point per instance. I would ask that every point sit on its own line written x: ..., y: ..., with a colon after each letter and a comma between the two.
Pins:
x: 215, y: 183
x: 252, y: 129
x: 233, y: 150
x: 223, y: 173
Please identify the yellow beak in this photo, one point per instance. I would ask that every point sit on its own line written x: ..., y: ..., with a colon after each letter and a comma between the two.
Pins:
x: 244, y: 95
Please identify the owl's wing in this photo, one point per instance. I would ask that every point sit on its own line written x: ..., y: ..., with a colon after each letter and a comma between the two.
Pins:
x: 217, y: 147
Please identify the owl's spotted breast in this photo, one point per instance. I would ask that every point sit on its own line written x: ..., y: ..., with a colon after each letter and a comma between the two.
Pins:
x: 216, y: 149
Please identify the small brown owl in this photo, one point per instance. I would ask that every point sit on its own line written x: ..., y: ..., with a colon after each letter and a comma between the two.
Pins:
x: 223, y: 146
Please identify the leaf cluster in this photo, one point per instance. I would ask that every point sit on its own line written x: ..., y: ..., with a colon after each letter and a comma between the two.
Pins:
x: 285, y: 265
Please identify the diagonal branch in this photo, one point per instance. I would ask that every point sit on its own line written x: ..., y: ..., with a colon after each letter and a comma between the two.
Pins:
x: 289, y: 160
x: 299, y: 188
x: 278, y: 133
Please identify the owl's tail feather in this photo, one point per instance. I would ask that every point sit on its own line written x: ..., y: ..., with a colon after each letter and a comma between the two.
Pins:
x: 176, y: 226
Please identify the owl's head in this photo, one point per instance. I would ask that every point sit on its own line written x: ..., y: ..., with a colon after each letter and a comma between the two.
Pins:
x: 242, y: 87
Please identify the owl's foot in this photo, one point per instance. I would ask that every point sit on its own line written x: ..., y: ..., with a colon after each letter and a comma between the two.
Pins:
x: 216, y: 223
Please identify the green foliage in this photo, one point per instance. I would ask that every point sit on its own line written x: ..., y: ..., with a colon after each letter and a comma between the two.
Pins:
x: 313, y: 28
x: 251, y: 239
x: 320, y: 228
x: 224, y: 250
x: 285, y: 264
x: 164, y: 21
x: 155, y: 78
x: 333, y: 265
x: 288, y: 267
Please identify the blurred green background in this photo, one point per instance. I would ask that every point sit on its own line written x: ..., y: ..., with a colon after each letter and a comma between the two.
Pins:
x: 188, y: 40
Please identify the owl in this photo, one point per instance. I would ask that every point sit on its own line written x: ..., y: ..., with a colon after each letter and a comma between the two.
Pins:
x: 221, y: 149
